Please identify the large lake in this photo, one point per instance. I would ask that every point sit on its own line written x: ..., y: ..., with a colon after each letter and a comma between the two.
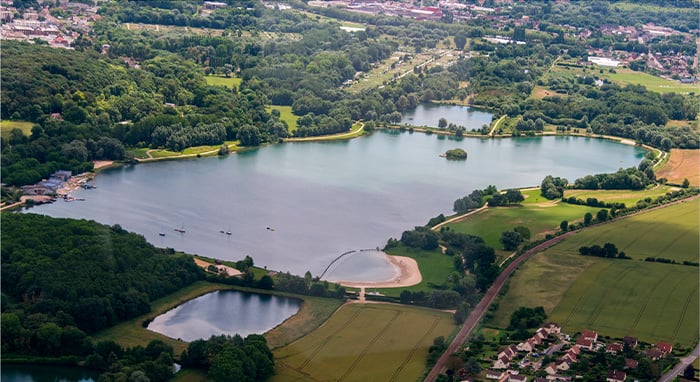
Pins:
x: 320, y: 199
x: 41, y: 373
x: 225, y: 312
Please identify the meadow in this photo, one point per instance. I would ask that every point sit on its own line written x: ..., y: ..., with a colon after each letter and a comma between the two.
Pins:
x: 622, y: 76
x: 229, y: 82
x: 286, y: 115
x: 434, y: 268
x: 7, y: 126
x: 653, y: 301
x: 365, y: 342
x: 629, y: 197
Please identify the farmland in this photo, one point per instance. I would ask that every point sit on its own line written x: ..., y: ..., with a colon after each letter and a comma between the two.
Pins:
x: 618, y: 297
x: 683, y: 164
x: 365, y: 342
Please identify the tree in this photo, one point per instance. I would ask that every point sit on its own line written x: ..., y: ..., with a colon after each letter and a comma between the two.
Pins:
x: 514, y: 196
x: 523, y: 231
x: 602, y: 215
x: 442, y: 123
x: 587, y: 218
x: 689, y: 372
x: 460, y: 41
x: 686, y: 183
x: 510, y: 240
x: 249, y: 135
x: 564, y: 225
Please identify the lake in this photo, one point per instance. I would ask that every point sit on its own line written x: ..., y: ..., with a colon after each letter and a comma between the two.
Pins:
x: 41, y: 373
x: 297, y: 206
x: 225, y: 312
x: 429, y: 114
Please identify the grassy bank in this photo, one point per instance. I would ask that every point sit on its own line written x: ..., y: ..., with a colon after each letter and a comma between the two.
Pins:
x: 434, y: 268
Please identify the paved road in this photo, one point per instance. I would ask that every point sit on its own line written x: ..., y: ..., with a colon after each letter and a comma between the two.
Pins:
x: 473, y: 320
x: 678, y: 369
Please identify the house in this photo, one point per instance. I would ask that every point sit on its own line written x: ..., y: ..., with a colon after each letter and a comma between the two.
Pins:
x: 541, y: 334
x: 665, y: 348
x: 557, y: 377
x: 630, y: 341
x: 584, y: 343
x: 654, y: 354
x: 494, y: 374
x: 63, y: 175
x: 36, y: 189
x: 508, y: 352
x: 501, y: 363
x: 616, y: 376
x: 527, y: 346
x: 590, y: 334
x: 571, y: 355
x: 517, y: 378
x: 613, y: 348
x: 631, y: 363
x: 551, y: 369
x: 562, y: 365
x: 552, y: 328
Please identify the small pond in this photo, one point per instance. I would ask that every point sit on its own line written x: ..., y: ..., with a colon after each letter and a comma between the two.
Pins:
x: 429, y: 114
x: 225, y: 312
x: 41, y: 373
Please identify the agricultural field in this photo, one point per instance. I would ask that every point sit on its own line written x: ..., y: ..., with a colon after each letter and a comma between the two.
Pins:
x: 365, y: 342
x: 7, y: 126
x: 653, y: 301
x: 286, y: 115
x: 682, y: 164
x: 229, y: 82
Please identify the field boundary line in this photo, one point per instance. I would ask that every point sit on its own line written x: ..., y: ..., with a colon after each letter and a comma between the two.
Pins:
x: 369, y: 345
x: 682, y: 317
x: 319, y: 347
x: 406, y: 360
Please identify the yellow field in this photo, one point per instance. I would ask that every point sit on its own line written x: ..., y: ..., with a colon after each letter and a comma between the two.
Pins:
x: 683, y: 164
x: 365, y: 342
x: 7, y: 126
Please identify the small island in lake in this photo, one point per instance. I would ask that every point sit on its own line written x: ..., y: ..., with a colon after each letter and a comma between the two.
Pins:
x: 455, y: 154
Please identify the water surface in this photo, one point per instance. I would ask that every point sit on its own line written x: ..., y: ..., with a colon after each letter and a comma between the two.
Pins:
x: 224, y: 312
x: 429, y: 114
x: 41, y: 373
x: 297, y: 206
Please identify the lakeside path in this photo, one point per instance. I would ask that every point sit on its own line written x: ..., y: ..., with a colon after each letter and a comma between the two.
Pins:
x: 477, y: 314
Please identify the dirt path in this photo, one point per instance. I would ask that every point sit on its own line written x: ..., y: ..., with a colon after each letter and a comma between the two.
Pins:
x: 495, y: 125
x: 459, y: 217
x: 328, y: 137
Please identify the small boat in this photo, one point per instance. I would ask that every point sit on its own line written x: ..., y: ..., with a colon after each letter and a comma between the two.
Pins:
x: 161, y: 234
x: 228, y: 232
x: 221, y: 231
x: 181, y: 230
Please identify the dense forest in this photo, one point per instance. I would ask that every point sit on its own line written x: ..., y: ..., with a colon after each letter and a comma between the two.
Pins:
x: 80, y: 274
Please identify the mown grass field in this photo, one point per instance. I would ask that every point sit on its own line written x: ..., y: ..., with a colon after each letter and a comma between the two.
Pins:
x: 434, y: 268
x: 365, y: 342
x: 624, y: 76
x: 682, y: 164
x: 7, y: 126
x: 229, y: 82
x: 286, y: 115
x: 653, y: 301
x: 629, y: 197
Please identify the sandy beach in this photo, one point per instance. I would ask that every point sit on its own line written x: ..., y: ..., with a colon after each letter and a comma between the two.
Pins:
x: 408, y: 274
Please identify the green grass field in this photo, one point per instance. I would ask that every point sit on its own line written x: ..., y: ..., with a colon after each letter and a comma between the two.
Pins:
x: 624, y: 76
x: 434, y: 268
x: 648, y: 300
x: 7, y: 126
x: 630, y: 198
x: 230, y: 82
x: 365, y: 342
x: 286, y: 115
x: 653, y: 301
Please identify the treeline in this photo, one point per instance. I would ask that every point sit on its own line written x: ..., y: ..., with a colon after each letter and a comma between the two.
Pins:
x: 227, y: 358
x: 624, y: 179
x: 608, y: 250
x: 671, y: 261
x: 525, y: 318
x: 592, y: 202
x: 79, y: 276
